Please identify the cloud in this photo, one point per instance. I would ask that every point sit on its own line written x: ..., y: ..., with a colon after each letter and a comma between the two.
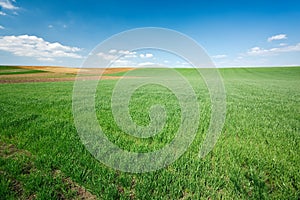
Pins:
x: 113, y: 51
x: 2, y: 27
x: 33, y: 46
x: 122, y: 63
x: 2, y: 13
x: 131, y: 55
x: 283, y: 44
x: 106, y: 56
x: 50, y: 26
x: 220, y: 56
x: 46, y: 59
x: 7, y: 4
x: 128, y: 54
x: 147, y: 55
x: 257, y: 51
x: 277, y: 37
x: 113, y: 54
x: 146, y: 64
x: 124, y: 52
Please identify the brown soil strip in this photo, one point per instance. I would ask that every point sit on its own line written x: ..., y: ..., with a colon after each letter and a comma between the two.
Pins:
x: 76, y: 70
x: 41, y: 79
x: 9, y: 150
x: 57, y: 74
x: 81, y: 192
x: 11, y: 76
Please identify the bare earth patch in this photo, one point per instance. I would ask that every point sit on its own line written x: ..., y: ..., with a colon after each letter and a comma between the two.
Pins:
x: 9, y: 150
x: 57, y: 74
x: 41, y: 79
x: 81, y: 192
x: 76, y: 70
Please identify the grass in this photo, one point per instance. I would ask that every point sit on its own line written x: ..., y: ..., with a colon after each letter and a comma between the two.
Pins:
x: 2, y: 67
x: 256, y: 157
x: 116, y: 74
x: 10, y: 70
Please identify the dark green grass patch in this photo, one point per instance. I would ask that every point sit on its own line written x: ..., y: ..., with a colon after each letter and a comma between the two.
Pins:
x: 10, y: 70
x: 21, y: 72
x: 2, y: 67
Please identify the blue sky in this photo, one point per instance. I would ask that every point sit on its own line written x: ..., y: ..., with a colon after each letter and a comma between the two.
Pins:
x: 234, y: 33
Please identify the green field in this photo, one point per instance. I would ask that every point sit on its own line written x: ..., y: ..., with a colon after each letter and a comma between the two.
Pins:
x: 10, y: 70
x: 256, y: 157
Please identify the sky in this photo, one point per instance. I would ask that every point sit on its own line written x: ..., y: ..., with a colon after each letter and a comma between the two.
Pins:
x: 237, y: 33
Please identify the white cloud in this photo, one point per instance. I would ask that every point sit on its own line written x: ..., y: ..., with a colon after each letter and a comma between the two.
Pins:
x: 131, y: 55
x: 185, y: 63
x: 124, y: 52
x: 2, y: 13
x: 7, y: 4
x: 33, y: 46
x: 257, y: 51
x: 220, y: 56
x: 182, y: 64
x: 112, y: 51
x: 122, y: 63
x: 106, y: 56
x: 128, y: 54
x: 147, y: 55
x: 263, y: 57
x: 50, y: 26
x: 146, y: 64
x: 283, y: 44
x: 2, y: 27
x: 277, y: 37
x: 46, y: 59
x: 113, y: 54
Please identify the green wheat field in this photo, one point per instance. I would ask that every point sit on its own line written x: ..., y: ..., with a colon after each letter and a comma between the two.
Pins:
x: 257, y: 155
